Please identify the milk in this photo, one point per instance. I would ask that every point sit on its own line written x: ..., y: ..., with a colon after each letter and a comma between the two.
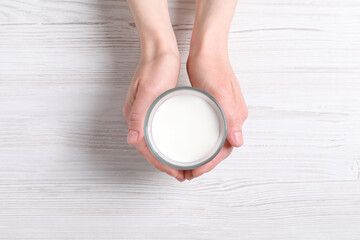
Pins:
x: 185, y: 128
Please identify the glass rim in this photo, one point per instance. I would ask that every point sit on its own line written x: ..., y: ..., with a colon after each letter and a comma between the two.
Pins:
x: 154, y: 152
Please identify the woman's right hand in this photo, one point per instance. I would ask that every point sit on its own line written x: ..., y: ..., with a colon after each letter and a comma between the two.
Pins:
x: 156, y: 73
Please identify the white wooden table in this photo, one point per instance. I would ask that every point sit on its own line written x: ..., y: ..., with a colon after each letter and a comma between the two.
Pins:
x: 67, y: 173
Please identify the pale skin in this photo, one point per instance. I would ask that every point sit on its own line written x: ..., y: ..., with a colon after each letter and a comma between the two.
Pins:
x: 208, y: 68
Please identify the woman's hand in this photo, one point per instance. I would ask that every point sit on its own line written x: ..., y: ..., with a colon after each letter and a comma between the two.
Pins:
x: 157, y: 71
x: 209, y: 69
x: 213, y: 74
x: 152, y: 77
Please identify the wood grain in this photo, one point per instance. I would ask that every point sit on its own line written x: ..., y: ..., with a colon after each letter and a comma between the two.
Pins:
x: 66, y: 171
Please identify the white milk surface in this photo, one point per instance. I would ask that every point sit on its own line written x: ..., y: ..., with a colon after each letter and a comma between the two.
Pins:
x: 185, y: 128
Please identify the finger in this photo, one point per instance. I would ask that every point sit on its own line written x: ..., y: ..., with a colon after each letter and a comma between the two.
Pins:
x: 235, y: 121
x: 235, y: 136
x: 137, y: 116
x: 224, y: 153
x: 188, y: 175
x: 126, y: 110
x: 145, y: 152
x: 181, y: 176
x: 236, y: 112
x: 129, y: 102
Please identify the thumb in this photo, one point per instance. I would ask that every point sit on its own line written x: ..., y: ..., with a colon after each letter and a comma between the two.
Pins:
x: 235, y: 121
x: 137, y: 117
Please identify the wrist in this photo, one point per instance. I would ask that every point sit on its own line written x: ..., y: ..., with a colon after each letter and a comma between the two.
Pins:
x: 158, y: 42
x: 153, y: 23
x: 211, y: 41
x: 212, y: 26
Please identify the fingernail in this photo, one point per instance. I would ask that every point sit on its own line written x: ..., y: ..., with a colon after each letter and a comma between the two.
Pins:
x: 180, y: 177
x: 132, y: 136
x: 238, y: 138
x: 172, y: 173
x: 189, y: 176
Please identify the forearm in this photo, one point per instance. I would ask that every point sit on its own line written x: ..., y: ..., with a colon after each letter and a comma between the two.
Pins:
x: 212, y: 24
x: 153, y: 23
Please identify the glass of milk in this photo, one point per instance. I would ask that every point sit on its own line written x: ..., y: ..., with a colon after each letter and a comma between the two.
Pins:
x: 185, y: 128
